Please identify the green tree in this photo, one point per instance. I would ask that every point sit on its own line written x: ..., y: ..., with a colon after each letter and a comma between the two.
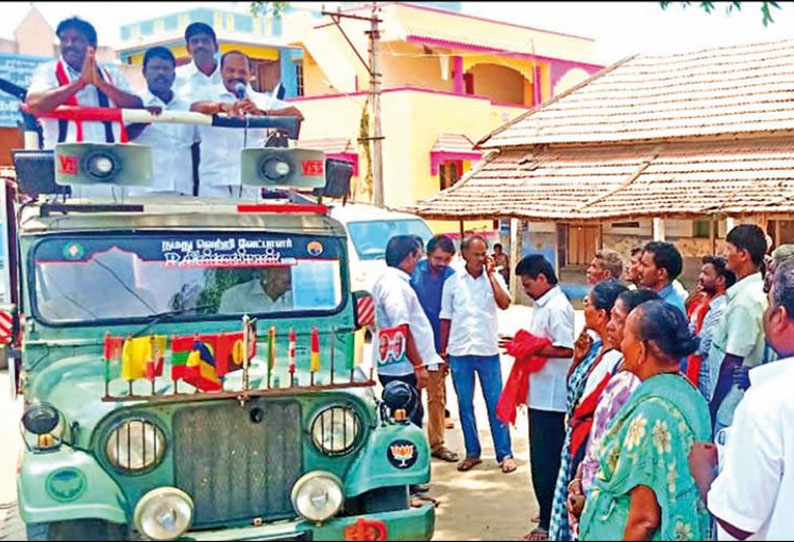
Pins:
x: 268, y: 8
x: 708, y: 7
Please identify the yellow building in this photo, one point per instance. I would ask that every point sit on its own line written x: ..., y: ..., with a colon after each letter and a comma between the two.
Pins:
x: 260, y: 37
x: 447, y: 78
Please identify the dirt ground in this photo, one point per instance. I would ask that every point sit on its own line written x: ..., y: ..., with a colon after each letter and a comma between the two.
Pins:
x: 483, y: 503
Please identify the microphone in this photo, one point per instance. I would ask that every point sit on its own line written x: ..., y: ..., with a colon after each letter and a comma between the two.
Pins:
x: 239, y: 91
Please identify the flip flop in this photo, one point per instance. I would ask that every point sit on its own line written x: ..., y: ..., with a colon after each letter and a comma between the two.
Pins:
x: 536, y: 535
x: 509, y: 465
x: 445, y: 454
x: 468, y: 463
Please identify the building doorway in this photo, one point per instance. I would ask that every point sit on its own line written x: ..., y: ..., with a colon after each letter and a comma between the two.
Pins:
x: 577, y: 244
x: 781, y: 231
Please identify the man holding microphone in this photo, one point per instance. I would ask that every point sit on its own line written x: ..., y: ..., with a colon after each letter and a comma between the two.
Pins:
x: 219, y: 166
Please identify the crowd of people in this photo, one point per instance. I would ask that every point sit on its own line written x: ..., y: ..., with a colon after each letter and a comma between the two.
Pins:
x: 665, y: 418
x: 189, y: 159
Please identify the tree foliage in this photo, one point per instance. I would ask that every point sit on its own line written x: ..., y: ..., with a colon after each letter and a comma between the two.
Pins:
x: 268, y: 8
x: 708, y: 7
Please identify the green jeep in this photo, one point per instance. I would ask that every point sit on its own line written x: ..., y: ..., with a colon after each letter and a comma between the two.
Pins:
x: 288, y: 442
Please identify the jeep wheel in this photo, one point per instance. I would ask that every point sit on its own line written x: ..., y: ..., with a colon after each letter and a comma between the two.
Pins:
x: 81, y: 529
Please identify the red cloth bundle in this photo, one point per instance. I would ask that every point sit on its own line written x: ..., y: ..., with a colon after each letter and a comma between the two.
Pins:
x: 523, y: 347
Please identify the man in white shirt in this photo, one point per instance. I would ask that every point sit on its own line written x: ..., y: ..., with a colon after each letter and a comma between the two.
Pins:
x: 203, y: 71
x: 469, y: 336
x: 77, y: 79
x: 269, y: 291
x: 753, y: 496
x: 170, y: 142
x: 219, y: 165
x: 552, y: 318
x: 396, y: 304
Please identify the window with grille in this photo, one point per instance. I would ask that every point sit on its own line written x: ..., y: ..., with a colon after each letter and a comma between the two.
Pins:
x: 299, y: 78
x: 449, y: 173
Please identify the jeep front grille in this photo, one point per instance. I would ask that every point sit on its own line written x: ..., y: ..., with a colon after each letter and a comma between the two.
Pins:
x: 238, y: 463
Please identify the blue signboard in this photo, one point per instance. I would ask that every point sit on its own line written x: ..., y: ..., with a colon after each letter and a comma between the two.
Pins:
x: 18, y: 69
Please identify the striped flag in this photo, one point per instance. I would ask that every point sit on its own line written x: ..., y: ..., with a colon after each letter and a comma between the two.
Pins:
x: 292, y: 339
x: 315, y: 350
x: 114, y: 347
x: 271, y: 348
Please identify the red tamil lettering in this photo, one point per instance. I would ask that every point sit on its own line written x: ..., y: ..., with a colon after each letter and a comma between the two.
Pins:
x: 313, y: 168
x: 67, y: 164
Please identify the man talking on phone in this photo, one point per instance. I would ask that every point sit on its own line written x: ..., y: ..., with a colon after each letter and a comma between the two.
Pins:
x: 469, y: 338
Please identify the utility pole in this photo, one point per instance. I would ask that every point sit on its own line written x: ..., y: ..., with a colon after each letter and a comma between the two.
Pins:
x: 376, y: 130
x: 374, y: 90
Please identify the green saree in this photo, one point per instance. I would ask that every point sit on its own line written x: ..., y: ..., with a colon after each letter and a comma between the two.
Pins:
x: 648, y: 444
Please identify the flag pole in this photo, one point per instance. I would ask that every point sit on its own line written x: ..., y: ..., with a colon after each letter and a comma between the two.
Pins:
x: 153, y: 358
x: 271, y: 352
x: 176, y: 382
x: 291, y: 367
x: 107, y: 365
x: 246, y: 320
x: 333, y: 353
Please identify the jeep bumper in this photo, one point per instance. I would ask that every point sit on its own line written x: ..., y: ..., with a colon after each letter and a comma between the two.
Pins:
x: 410, y: 524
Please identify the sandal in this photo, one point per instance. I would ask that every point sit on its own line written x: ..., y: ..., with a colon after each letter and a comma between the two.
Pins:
x: 468, y: 463
x: 445, y: 454
x: 537, y: 535
x: 509, y: 465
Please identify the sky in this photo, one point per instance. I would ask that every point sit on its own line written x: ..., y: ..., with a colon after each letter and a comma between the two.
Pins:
x: 620, y: 29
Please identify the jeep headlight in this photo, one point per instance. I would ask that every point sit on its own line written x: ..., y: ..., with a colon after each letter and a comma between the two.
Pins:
x: 42, y: 426
x: 164, y: 513
x: 135, y: 445
x: 317, y: 496
x: 335, y: 430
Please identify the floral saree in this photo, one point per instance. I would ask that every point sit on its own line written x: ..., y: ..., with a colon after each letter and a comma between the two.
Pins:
x: 648, y: 444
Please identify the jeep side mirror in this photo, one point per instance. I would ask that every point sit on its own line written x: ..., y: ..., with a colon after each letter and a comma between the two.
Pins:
x: 363, y: 310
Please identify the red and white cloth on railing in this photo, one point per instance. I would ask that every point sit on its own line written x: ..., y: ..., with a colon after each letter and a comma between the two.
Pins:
x: 365, y: 309
x: 6, y: 327
x: 51, y: 75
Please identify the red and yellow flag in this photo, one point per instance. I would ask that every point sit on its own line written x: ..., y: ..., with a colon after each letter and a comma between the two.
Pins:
x: 142, y: 357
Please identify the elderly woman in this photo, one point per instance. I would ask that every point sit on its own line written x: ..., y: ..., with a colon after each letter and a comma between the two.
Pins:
x: 597, y: 307
x: 643, y: 489
x: 609, y: 395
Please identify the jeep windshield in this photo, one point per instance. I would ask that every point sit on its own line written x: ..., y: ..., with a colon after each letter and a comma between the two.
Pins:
x: 370, y: 237
x: 201, y: 275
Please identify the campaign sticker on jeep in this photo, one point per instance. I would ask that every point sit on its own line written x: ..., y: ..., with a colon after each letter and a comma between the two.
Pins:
x: 402, y: 454
x: 65, y: 485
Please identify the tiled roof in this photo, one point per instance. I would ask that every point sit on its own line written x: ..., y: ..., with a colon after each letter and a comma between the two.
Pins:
x: 664, y: 179
x: 329, y: 145
x: 741, y: 89
x: 452, y: 143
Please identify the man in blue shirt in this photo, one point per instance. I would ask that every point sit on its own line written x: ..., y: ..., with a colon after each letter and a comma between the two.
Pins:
x: 428, y: 281
x: 660, y: 265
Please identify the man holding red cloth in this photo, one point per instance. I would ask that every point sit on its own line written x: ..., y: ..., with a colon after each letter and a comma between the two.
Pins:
x: 553, y: 323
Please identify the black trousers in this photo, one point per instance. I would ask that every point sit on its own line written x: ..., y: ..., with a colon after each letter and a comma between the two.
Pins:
x: 546, y: 437
x: 419, y: 411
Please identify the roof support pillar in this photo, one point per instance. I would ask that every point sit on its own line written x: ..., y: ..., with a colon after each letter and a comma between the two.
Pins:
x: 516, y: 239
x: 713, y: 226
x: 658, y: 229
x: 730, y: 223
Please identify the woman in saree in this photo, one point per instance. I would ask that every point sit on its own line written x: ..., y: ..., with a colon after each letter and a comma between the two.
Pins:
x: 597, y: 306
x: 608, y: 396
x: 643, y: 489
